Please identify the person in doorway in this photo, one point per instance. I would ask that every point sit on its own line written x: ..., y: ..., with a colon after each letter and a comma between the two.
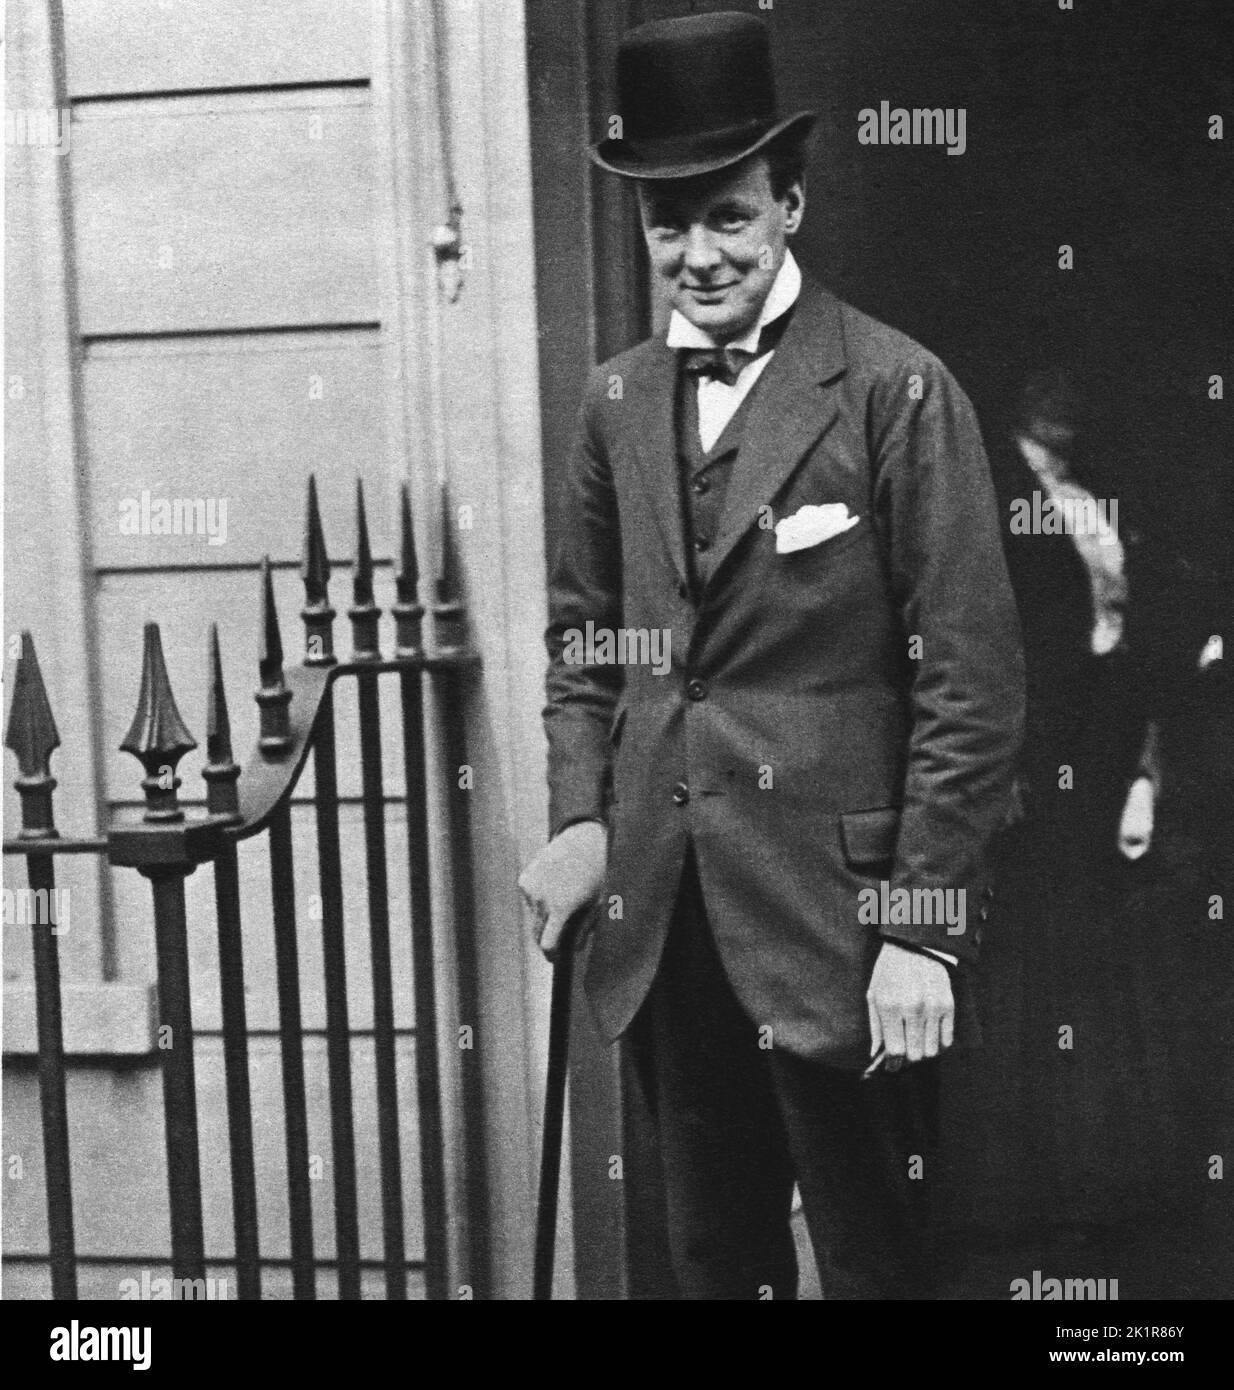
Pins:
x: 785, y: 824
x: 1070, y: 1139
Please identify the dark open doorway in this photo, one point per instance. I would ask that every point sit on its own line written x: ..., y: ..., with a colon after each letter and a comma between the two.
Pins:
x: 1086, y: 127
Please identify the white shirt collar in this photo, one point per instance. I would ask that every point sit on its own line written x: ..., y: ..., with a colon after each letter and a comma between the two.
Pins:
x: 784, y: 291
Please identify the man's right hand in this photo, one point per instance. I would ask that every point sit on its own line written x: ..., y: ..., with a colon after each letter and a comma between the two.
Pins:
x: 566, y: 875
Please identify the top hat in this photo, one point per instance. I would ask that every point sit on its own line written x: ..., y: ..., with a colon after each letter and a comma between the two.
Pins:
x: 694, y: 95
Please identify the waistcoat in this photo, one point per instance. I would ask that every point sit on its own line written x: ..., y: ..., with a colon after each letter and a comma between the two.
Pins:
x: 703, y: 475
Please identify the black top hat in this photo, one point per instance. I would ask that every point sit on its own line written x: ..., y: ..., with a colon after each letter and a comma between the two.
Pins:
x: 694, y: 95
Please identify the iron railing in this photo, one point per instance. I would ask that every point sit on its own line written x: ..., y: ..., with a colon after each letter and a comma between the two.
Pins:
x: 166, y: 845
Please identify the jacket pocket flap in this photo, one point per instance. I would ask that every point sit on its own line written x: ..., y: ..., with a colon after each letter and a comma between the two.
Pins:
x: 869, y: 837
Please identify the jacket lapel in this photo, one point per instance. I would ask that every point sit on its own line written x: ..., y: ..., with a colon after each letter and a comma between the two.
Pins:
x: 789, y: 412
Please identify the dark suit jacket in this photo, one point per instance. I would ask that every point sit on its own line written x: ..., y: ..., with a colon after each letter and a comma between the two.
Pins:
x: 795, y: 738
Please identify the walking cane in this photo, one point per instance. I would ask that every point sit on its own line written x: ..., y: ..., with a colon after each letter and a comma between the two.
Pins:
x: 554, y: 1110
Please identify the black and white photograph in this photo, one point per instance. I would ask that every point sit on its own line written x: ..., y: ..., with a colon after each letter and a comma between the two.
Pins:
x: 614, y: 674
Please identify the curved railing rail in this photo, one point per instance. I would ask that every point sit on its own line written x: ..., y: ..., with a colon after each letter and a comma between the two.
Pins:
x: 166, y: 844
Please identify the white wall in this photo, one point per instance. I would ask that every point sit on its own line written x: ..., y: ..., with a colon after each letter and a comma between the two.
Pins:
x: 249, y: 192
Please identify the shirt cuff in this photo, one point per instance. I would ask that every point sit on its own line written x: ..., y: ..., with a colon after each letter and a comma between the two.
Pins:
x: 952, y: 962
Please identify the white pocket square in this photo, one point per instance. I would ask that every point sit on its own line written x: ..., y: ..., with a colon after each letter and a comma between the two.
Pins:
x: 812, y: 525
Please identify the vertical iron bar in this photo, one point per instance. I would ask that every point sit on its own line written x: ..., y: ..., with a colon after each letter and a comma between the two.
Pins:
x: 188, y: 1259
x: 452, y: 704
x: 383, y: 987
x: 319, y: 651
x: 32, y: 735
x: 158, y: 739
x: 338, y: 1032
x: 291, y: 1040
x: 52, y: 1097
x: 428, y: 1076
x: 236, y: 1066
x: 221, y: 774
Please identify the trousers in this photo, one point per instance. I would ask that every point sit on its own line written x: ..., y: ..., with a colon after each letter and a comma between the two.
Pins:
x: 739, y: 1121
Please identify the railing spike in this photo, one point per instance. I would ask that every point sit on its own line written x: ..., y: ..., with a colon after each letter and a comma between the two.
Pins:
x: 408, y: 611
x: 221, y: 770
x: 449, y: 618
x: 270, y: 656
x: 317, y: 614
x: 158, y: 737
x: 32, y: 736
x: 273, y: 697
x: 31, y: 732
x: 218, y: 722
x: 364, y: 612
x: 316, y: 566
x: 408, y: 577
x: 362, y: 575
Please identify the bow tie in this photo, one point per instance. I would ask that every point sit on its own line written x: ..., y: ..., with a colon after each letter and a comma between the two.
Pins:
x: 722, y: 364
x: 726, y: 364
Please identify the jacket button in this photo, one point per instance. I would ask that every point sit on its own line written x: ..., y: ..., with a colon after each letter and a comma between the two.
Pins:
x: 681, y: 794
x: 988, y: 893
x: 700, y: 486
x: 702, y: 544
x: 983, y: 915
x: 696, y: 690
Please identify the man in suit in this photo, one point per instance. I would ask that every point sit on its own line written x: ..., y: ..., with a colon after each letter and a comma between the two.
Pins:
x: 795, y: 501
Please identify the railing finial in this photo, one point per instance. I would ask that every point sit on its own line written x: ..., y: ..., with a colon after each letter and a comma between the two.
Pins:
x: 364, y: 612
x: 32, y: 736
x: 317, y: 614
x: 449, y: 615
x: 408, y: 611
x: 273, y: 696
x: 32, y: 732
x: 158, y: 738
x: 221, y: 771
